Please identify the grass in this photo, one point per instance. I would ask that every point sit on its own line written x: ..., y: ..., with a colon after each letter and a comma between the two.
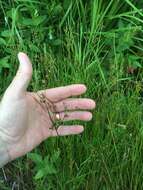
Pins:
x: 94, y: 42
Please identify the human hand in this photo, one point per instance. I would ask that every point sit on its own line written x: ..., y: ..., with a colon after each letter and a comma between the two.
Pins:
x: 28, y: 118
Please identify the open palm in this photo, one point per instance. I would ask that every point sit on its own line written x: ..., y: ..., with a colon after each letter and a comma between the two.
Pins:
x: 27, y: 118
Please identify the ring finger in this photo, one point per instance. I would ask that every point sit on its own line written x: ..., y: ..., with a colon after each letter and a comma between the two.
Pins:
x: 76, y: 115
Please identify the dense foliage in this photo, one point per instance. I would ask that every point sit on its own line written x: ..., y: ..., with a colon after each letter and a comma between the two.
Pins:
x: 95, y: 42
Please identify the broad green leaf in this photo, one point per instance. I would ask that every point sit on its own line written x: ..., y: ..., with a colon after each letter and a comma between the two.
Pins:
x: 44, y: 171
x: 57, y: 10
x: 57, y: 42
x: 133, y: 58
x: 33, y: 21
x: 137, y: 64
x: 4, y: 62
x: 7, y: 33
x: 50, y: 169
x: 35, y: 158
x: 40, y: 174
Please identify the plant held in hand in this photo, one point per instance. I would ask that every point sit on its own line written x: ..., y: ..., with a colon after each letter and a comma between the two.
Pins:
x: 28, y: 118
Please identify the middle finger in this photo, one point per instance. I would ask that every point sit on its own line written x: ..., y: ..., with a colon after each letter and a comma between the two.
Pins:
x: 74, y: 104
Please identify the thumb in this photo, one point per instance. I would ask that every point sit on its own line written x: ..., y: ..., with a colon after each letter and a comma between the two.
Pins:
x: 23, y: 76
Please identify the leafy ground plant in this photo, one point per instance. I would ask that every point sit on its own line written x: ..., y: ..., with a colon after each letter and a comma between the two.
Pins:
x: 46, y: 166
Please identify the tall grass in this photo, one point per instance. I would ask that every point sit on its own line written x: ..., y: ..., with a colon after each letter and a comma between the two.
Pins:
x: 77, y: 41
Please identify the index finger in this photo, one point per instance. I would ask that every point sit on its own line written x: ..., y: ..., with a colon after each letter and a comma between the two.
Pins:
x: 60, y: 93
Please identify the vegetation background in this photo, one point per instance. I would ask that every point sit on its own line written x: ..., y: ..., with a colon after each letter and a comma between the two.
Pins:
x: 95, y: 42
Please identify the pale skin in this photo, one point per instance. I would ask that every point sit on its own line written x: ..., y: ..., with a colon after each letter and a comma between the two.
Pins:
x: 24, y: 123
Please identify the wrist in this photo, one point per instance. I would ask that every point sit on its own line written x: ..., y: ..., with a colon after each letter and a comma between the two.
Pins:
x: 4, y: 155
